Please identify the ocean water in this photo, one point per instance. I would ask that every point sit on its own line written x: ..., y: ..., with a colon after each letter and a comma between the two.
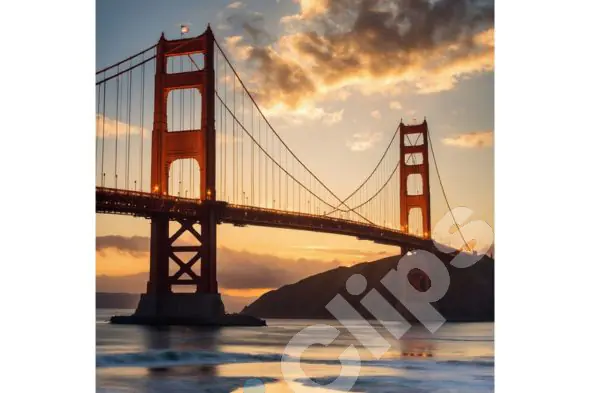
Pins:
x: 458, y: 358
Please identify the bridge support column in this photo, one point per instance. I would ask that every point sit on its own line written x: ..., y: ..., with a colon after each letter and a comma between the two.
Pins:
x: 160, y: 305
x: 159, y: 250
x: 209, y: 249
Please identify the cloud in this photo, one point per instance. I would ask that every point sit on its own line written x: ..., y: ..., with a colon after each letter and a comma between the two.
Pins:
x: 113, y: 127
x: 134, y: 245
x: 235, y: 5
x: 373, y: 46
x: 307, y: 112
x: 361, y: 254
x: 242, y: 269
x: 235, y: 269
x: 241, y: 52
x: 376, y: 114
x: 395, y: 105
x: 250, y: 23
x: 363, y: 141
x: 471, y: 140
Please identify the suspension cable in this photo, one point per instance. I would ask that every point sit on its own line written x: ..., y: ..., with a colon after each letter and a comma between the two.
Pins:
x: 141, y: 125
x: 272, y: 158
x: 125, y: 70
x: 445, y: 194
x: 274, y: 131
x: 103, y: 125
x: 128, y: 143
x: 376, y: 166
x: 117, y: 131
x: 125, y: 60
x: 369, y: 177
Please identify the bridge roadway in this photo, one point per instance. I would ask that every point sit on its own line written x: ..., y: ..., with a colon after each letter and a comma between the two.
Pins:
x: 143, y: 204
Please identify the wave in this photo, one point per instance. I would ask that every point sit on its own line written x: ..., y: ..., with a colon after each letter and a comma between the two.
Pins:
x: 169, y: 358
x: 475, y: 362
x: 165, y: 358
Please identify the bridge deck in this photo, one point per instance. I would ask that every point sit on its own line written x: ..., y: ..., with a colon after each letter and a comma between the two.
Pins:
x: 141, y: 204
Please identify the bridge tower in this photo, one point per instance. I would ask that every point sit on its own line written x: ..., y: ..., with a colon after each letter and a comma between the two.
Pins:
x: 168, y: 146
x: 414, y: 160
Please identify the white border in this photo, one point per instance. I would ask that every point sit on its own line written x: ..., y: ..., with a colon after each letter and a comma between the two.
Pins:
x: 47, y: 291
x: 542, y: 145
x: 47, y: 249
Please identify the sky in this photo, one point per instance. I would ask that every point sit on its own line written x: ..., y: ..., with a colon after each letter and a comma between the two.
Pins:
x: 340, y: 73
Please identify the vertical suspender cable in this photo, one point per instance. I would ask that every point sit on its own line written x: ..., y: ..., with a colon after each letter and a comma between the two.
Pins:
x: 97, y: 117
x: 226, y: 136
x: 103, y: 124
x: 266, y: 193
x: 445, y: 194
x: 234, y: 178
x: 181, y: 178
x: 259, y: 165
x: 252, y: 157
x: 272, y: 183
x: 191, y: 180
x: 141, y: 114
x: 117, y: 129
x: 172, y: 94
x: 280, y: 204
x: 242, y: 146
x: 128, y: 130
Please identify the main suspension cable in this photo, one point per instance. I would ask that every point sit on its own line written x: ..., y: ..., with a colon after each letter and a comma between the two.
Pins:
x: 445, y: 194
x: 277, y: 135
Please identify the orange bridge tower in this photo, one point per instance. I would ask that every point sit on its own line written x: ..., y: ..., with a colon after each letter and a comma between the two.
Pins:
x: 167, y: 268
x: 414, y: 162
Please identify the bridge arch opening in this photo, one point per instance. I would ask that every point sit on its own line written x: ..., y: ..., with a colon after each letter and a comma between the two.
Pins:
x: 184, y: 178
x: 178, y: 64
x: 184, y: 110
x: 415, y: 184
x: 415, y: 222
x: 412, y: 159
x: 414, y: 140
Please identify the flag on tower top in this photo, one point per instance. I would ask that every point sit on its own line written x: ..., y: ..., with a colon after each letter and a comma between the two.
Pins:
x: 184, y: 29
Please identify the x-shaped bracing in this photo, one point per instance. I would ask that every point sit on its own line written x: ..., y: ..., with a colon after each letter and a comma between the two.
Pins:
x: 185, y: 267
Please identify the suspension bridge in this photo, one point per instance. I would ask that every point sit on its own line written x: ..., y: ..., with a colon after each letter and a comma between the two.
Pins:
x: 180, y: 138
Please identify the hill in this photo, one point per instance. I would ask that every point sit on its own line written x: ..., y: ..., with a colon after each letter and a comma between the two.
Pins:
x: 470, y: 296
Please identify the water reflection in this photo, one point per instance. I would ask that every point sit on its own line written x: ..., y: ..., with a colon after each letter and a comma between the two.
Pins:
x: 171, y: 359
x: 186, y: 339
x: 418, y: 342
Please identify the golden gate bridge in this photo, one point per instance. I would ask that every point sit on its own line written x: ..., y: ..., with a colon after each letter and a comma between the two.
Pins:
x: 211, y: 156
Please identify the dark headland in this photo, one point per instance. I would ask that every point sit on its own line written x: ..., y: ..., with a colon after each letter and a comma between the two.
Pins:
x: 470, y: 297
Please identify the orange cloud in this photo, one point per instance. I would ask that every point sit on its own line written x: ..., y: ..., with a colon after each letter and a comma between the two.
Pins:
x: 376, y: 114
x: 395, y: 105
x: 363, y: 141
x: 122, y: 256
x: 373, y: 47
x: 235, y: 5
x: 471, y: 140
x: 111, y: 128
